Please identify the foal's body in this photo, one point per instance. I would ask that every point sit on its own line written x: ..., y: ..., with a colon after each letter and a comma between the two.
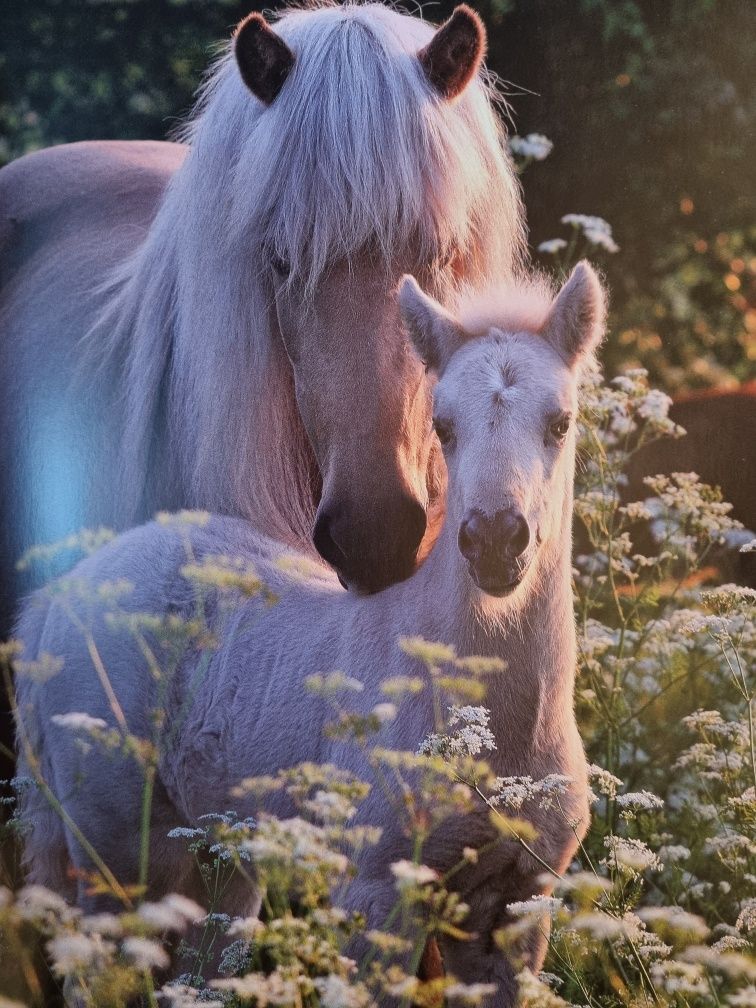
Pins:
x: 248, y: 712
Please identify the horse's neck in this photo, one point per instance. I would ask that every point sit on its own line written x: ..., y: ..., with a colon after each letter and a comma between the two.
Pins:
x: 535, y: 639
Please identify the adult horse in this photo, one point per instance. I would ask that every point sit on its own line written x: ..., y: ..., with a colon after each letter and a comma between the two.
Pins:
x: 213, y: 323
x: 497, y: 584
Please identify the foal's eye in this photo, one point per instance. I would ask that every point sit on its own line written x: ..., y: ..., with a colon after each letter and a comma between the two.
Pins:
x: 444, y: 430
x: 559, y: 428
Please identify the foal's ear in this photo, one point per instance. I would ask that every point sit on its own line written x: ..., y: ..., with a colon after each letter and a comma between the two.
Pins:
x: 434, y: 332
x: 454, y: 54
x: 263, y: 57
x: 575, y: 325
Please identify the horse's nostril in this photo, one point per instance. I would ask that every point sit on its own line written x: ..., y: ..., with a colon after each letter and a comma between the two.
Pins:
x: 324, y: 542
x: 520, y: 537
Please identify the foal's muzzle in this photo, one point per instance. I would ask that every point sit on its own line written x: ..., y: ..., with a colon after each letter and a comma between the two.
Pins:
x: 370, y: 557
x: 495, y: 547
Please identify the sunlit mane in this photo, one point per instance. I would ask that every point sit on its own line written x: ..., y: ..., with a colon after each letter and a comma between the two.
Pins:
x: 519, y: 305
x: 330, y: 166
x: 356, y: 150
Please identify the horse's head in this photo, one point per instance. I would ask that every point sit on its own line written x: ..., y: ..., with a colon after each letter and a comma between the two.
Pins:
x: 505, y: 408
x: 334, y: 248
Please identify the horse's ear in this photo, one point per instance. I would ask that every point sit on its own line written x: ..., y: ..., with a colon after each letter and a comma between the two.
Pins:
x: 575, y: 325
x: 263, y: 57
x: 454, y: 54
x: 434, y: 332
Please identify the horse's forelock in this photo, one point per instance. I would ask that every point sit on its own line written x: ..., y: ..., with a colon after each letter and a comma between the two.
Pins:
x: 357, y: 150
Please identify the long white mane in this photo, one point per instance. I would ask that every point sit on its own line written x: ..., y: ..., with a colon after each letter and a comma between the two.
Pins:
x: 357, y: 149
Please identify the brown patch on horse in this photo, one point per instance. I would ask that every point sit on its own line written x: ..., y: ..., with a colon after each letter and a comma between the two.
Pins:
x: 264, y: 59
x: 453, y: 56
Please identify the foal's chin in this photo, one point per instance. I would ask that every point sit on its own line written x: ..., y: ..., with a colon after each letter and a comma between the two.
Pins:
x: 501, y: 584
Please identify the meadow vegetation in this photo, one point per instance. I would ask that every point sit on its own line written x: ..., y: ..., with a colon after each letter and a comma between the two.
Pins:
x: 659, y: 907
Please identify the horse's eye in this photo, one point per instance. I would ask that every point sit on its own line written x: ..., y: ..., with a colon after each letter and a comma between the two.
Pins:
x: 560, y: 428
x: 444, y: 430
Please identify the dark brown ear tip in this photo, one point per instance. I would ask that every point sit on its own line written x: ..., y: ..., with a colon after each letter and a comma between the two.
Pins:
x: 263, y: 58
x: 463, y: 14
x: 252, y: 24
x: 454, y: 54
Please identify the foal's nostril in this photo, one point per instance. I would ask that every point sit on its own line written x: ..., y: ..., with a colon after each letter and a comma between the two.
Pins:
x: 520, y: 536
x: 468, y: 537
x: 324, y: 542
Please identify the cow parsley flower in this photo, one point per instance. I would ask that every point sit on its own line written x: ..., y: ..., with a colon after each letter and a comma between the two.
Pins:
x: 471, y: 737
x: 73, y: 953
x: 336, y: 992
x: 552, y: 246
x: 747, y: 917
x: 145, y: 953
x: 604, y: 781
x: 79, y: 721
x: 538, y: 906
x: 534, y: 145
x: 629, y: 854
x: 634, y: 802
x: 470, y: 994
x: 513, y: 792
x: 595, y: 229
x: 409, y: 875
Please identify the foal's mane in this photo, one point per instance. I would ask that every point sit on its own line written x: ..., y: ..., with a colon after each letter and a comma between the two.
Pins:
x: 356, y: 150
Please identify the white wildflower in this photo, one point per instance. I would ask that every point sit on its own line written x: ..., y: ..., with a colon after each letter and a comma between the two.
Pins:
x: 627, y: 853
x: 471, y: 737
x: 676, y: 977
x: 106, y: 924
x: 408, y: 874
x: 674, y: 920
x: 73, y: 953
x: 537, y: 905
x: 634, y: 802
x: 385, y: 712
x: 470, y: 993
x: 654, y: 405
x: 749, y: 547
x: 330, y: 806
x: 552, y: 246
x: 335, y: 992
x: 513, y: 792
x: 534, y: 145
x: 672, y: 853
x: 595, y: 229
x: 747, y: 917
x: 36, y: 902
x: 145, y: 953
x: 604, y: 781
x: 79, y: 721
x: 744, y: 998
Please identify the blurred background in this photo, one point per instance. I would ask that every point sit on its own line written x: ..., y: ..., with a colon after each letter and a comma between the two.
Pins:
x: 650, y: 104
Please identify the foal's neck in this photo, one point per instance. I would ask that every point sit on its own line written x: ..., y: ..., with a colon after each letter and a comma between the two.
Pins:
x: 534, y: 635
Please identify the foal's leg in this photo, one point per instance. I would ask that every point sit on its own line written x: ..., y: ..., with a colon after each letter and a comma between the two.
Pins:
x: 479, y: 959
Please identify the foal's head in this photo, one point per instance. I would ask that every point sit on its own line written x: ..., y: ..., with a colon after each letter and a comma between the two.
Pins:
x: 380, y: 155
x: 505, y: 407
